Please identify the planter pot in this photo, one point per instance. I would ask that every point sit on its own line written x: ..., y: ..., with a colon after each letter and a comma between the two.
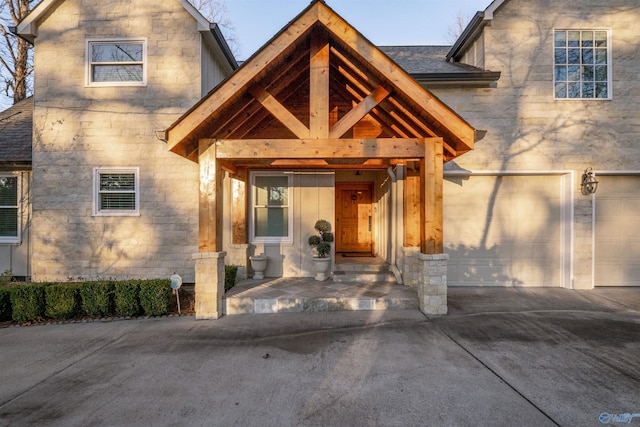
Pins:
x: 321, y: 265
x: 258, y: 265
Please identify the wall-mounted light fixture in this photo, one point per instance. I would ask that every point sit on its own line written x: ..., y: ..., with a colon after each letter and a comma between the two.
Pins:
x: 589, y: 182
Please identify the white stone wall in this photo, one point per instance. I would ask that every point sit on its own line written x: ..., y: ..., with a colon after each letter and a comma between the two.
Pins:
x: 530, y: 131
x: 77, y: 128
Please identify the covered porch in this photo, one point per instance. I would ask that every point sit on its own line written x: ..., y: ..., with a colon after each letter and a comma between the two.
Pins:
x: 297, y: 134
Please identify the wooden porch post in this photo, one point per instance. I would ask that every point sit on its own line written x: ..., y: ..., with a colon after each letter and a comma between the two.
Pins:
x: 412, y: 211
x: 431, y: 208
x: 432, y: 261
x: 210, y: 259
x: 239, y: 233
x: 210, y: 218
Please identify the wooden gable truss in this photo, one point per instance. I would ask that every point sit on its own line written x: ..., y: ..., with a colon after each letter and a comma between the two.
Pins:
x: 318, y: 95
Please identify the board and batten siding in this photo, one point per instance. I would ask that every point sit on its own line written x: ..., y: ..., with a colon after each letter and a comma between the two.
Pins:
x: 313, y: 198
x: 14, y: 257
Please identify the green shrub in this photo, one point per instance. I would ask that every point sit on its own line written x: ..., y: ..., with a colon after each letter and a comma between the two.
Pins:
x: 230, y: 272
x: 62, y: 301
x: 127, y: 295
x: 6, y: 277
x: 5, y: 304
x: 97, y: 298
x: 155, y: 296
x: 27, y: 302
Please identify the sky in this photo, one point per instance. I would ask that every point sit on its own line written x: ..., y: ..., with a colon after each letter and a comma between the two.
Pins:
x: 383, y: 22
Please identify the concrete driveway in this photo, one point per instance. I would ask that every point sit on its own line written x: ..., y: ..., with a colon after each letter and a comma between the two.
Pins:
x: 501, y: 357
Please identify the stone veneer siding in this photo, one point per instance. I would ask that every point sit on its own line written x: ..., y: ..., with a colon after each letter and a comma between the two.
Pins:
x: 78, y: 128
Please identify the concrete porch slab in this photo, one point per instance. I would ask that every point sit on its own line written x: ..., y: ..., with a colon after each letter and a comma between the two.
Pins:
x: 294, y: 295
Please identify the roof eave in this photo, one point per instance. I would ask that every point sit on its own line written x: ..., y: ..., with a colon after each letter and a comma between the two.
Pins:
x: 479, y: 78
x: 473, y: 29
x: 203, y: 23
x: 15, y: 166
x: 224, y: 46
x: 468, y: 36
x: 14, y: 31
x: 28, y: 28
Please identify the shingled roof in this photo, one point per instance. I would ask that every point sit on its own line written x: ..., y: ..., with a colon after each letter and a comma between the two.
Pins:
x: 16, y: 135
x: 429, y: 66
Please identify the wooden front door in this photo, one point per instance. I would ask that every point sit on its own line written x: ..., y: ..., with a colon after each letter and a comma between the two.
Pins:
x: 354, y: 217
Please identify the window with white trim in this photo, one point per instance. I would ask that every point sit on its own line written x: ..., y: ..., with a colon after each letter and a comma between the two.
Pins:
x: 271, y: 210
x: 582, y: 64
x: 120, y: 62
x: 9, y: 209
x: 116, y: 192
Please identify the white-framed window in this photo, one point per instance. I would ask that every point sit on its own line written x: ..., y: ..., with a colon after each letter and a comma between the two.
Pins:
x: 116, y: 62
x: 9, y: 208
x: 582, y: 64
x: 271, y: 207
x: 116, y: 191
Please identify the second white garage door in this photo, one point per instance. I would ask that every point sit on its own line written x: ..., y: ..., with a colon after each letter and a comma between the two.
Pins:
x: 505, y: 230
x: 617, y: 231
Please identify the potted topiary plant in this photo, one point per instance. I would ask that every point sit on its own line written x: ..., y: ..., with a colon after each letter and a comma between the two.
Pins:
x: 321, y: 241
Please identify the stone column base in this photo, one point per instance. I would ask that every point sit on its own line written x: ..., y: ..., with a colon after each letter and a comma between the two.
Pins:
x: 209, y: 286
x: 411, y: 266
x: 432, y: 288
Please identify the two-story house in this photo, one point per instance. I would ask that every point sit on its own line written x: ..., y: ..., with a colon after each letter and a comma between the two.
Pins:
x: 137, y: 166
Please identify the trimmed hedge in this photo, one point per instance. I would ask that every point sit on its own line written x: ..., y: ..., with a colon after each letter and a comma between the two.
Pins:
x: 127, y: 295
x: 5, y: 304
x: 97, y: 298
x: 62, y: 301
x: 155, y: 296
x: 27, y: 302
x: 34, y: 301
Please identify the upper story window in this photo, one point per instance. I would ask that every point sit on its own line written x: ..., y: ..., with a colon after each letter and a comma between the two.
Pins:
x: 9, y: 209
x: 116, y: 62
x: 116, y: 192
x: 271, y: 208
x: 582, y: 64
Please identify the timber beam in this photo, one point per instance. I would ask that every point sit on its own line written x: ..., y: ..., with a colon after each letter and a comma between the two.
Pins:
x: 374, y: 148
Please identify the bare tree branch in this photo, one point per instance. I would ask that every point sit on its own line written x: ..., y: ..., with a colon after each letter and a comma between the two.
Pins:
x: 216, y: 11
x: 15, y: 60
x: 457, y: 27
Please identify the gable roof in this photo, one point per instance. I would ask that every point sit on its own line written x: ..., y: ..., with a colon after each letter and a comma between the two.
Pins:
x: 473, y: 30
x: 28, y: 27
x: 359, y: 73
x: 16, y: 135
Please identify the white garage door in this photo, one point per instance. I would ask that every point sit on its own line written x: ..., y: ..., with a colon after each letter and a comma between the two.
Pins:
x: 504, y: 230
x: 617, y: 231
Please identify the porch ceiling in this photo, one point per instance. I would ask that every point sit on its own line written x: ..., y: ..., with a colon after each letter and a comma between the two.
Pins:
x: 319, y: 95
